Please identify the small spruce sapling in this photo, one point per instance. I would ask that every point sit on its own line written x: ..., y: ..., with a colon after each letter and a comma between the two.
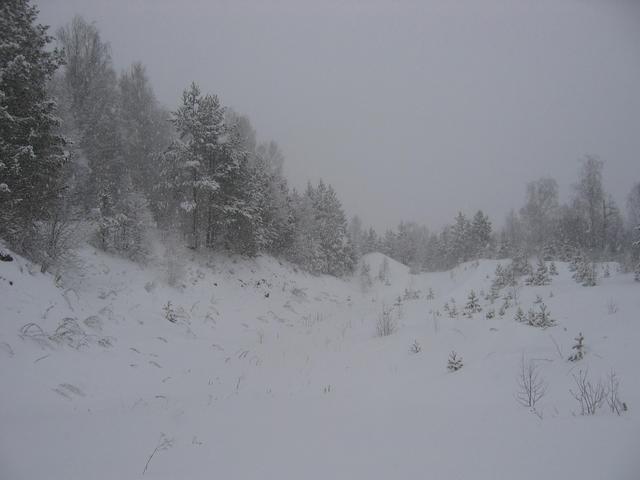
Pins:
x: 531, y: 317
x: 473, y: 305
x: 579, y: 349
x: 543, y: 317
x: 169, y: 313
x: 520, y: 316
x: 451, y: 308
x: 455, y: 362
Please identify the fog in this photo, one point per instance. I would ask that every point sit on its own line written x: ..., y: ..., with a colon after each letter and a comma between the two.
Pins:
x: 412, y: 110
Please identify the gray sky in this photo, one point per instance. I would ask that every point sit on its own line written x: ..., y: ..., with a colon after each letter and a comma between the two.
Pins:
x: 412, y: 110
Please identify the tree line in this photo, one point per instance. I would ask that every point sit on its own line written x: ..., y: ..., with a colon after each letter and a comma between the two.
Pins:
x: 82, y: 144
x: 591, y: 224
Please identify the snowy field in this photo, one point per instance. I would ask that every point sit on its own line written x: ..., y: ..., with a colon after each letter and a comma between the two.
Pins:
x: 266, y: 372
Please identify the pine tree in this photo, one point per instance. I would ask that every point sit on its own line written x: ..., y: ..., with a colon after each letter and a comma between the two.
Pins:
x: 455, y: 362
x: 588, y: 201
x: 321, y: 242
x: 195, y: 165
x: 576, y: 259
x: 123, y: 224
x: 579, y: 349
x: 531, y: 317
x: 552, y: 268
x: 520, y: 316
x: 543, y: 317
x: 540, y: 276
x: 31, y: 155
x: 549, y: 252
x: 451, y: 308
x: 473, y: 305
x: 480, y: 235
x: 459, y: 242
x: 331, y: 226
x: 586, y: 273
x: 520, y: 265
x: 370, y: 242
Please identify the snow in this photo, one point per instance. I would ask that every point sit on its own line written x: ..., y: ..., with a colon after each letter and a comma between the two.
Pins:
x: 273, y: 373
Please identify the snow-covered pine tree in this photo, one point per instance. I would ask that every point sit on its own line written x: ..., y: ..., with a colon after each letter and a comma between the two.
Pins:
x: 370, y: 242
x: 520, y: 265
x: 123, y: 224
x: 305, y: 248
x: 31, y: 151
x: 543, y: 317
x: 451, y: 308
x: 331, y: 225
x: 480, y: 236
x: 194, y: 166
x: 473, y: 305
x: 577, y: 258
x: 520, y: 316
x: 540, y: 276
x: 321, y: 242
x: 531, y: 318
x: 588, y: 274
x: 459, y: 240
x: 455, y: 362
x: 549, y: 252
x: 553, y: 269
x: 578, y: 354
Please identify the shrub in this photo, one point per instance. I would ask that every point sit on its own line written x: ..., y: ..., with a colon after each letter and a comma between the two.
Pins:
x: 589, y: 396
x: 531, y: 387
x: 415, y: 347
x: 385, y: 325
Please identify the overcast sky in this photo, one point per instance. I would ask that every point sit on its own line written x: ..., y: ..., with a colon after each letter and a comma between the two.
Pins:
x: 412, y: 110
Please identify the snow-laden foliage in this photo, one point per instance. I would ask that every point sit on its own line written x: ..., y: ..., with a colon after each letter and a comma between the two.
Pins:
x: 31, y: 151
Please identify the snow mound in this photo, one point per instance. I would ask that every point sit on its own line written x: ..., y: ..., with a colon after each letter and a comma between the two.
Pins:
x: 397, y: 273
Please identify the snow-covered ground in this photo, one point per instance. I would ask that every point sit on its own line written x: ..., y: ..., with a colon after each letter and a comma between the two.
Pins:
x: 269, y: 372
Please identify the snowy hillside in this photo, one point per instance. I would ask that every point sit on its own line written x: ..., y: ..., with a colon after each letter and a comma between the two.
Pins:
x: 250, y: 369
